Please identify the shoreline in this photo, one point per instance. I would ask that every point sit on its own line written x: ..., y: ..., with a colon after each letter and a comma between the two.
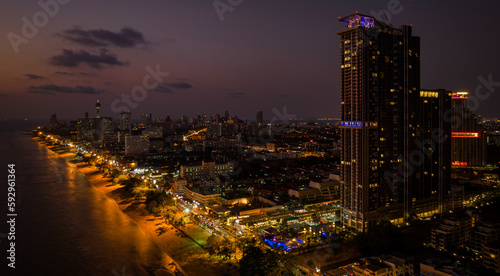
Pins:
x: 183, y: 252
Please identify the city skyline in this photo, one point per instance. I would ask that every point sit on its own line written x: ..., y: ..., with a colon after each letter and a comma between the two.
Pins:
x: 248, y: 58
x: 237, y: 138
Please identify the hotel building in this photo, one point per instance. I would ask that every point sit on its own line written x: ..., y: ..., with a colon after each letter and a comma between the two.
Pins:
x: 468, y: 136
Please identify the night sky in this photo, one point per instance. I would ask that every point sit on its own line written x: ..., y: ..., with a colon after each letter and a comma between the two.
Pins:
x: 263, y: 55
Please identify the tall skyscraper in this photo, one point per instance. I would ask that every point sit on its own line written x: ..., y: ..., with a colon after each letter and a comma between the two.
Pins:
x: 125, y: 122
x: 431, y: 179
x: 468, y: 136
x: 146, y: 119
x: 380, y: 105
x: 53, y: 121
x: 260, y: 117
x: 98, y: 109
x: 98, y: 130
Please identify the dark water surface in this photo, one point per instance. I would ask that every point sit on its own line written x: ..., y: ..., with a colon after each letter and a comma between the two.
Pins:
x: 64, y: 225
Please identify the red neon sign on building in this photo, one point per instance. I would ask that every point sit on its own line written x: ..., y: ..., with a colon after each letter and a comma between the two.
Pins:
x: 459, y: 164
x: 459, y: 95
x: 465, y: 134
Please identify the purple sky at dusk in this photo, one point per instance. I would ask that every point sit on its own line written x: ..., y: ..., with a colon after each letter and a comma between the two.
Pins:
x: 263, y: 55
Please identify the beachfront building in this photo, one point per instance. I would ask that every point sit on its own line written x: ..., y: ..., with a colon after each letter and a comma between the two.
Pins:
x: 207, y: 169
x: 204, y: 197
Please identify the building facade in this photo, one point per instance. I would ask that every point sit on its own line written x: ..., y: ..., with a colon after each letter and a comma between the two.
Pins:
x: 468, y: 135
x: 204, y: 198
x: 207, y: 169
x: 126, y: 122
x: 222, y: 144
x: 259, y: 119
x: 453, y: 230
x: 431, y: 177
x: 385, y: 123
x: 491, y: 256
x: 136, y: 145
x: 96, y: 130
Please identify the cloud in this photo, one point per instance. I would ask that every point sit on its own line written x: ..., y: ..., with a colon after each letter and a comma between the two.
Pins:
x: 73, y: 74
x: 238, y: 95
x: 162, y: 89
x: 63, y: 73
x: 181, y: 85
x: 52, y: 88
x: 34, y: 77
x: 166, y: 87
x: 126, y: 38
x: 4, y: 95
x: 40, y: 92
x: 69, y: 58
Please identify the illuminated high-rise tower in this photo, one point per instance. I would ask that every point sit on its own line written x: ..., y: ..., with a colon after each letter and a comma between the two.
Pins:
x: 396, y: 138
x: 380, y: 87
x: 468, y: 136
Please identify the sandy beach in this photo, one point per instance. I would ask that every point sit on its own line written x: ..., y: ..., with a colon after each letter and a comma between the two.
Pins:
x: 183, y: 252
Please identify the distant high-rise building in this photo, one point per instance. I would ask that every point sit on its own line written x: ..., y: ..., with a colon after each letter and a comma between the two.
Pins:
x: 146, y: 119
x: 86, y: 130
x: 106, y: 130
x: 226, y: 115
x: 98, y: 130
x: 126, y: 122
x: 233, y: 120
x: 260, y: 117
x: 468, y: 135
x: 217, y: 118
x: 382, y: 124
x: 53, y: 121
x: 432, y: 176
x: 98, y: 109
